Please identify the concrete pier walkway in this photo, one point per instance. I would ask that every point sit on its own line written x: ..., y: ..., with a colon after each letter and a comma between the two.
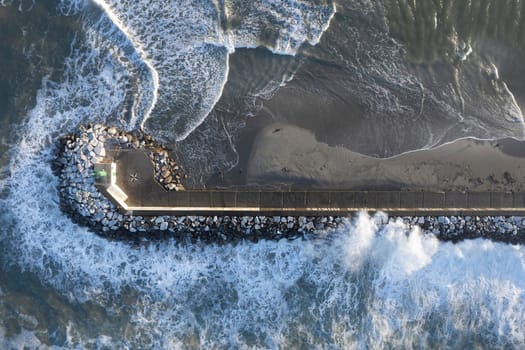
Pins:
x: 128, y: 181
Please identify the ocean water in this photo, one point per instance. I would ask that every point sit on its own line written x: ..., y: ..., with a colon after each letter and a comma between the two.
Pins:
x: 408, y: 75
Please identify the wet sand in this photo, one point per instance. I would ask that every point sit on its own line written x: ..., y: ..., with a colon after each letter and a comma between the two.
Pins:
x: 285, y: 155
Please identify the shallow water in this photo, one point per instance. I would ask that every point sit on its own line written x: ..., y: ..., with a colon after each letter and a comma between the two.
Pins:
x: 351, y: 77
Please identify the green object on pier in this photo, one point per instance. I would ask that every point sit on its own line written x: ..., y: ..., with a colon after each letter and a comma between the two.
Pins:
x: 101, y: 173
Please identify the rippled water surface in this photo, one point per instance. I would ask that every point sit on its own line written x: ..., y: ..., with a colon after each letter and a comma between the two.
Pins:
x: 377, y: 77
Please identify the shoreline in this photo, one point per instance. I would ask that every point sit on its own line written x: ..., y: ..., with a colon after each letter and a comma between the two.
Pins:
x: 82, y: 201
x: 286, y: 154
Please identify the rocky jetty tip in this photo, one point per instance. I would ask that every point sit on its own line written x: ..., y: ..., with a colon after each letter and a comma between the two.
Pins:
x: 78, y: 152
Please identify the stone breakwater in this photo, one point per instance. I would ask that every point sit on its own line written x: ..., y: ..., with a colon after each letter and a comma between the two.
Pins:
x: 86, y: 205
x: 93, y: 144
x: 510, y: 229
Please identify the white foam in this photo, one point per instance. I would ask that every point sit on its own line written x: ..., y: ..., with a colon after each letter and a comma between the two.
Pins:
x: 24, y: 340
x: 186, y: 49
x: 144, y: 57
x: 28, y: 339
x: 372, y: 286
x: 288, y: 24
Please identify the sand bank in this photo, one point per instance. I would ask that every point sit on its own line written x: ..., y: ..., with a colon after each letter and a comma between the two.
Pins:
x: 285, y: 154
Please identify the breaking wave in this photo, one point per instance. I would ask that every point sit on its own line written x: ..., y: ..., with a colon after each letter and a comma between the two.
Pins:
x: 185, y: 45
x: 367, y: 286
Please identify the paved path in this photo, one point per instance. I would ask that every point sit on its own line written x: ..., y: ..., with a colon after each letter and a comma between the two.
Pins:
x: 134, y: 189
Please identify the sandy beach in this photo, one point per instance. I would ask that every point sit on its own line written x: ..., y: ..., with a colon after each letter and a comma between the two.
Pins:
x: 285, y: 155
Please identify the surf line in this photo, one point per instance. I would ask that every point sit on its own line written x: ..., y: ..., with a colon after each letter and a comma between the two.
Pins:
x: 142, y: 54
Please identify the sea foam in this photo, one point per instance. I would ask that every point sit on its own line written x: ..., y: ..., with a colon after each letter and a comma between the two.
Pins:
x: 186, y: 45
x: 372, y: 285
x: 369, y: 286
